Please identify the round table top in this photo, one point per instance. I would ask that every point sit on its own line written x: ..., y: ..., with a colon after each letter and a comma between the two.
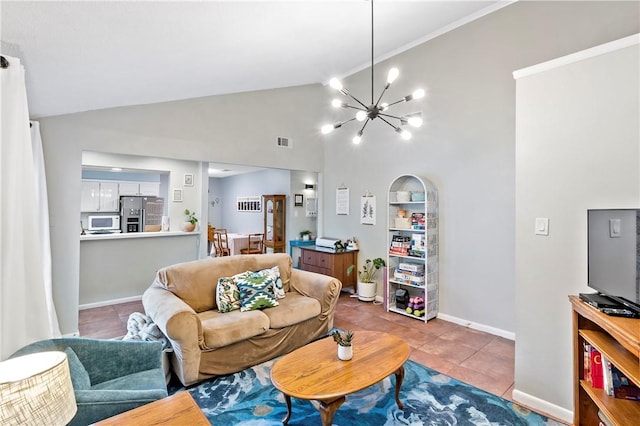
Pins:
x: 314, y: 371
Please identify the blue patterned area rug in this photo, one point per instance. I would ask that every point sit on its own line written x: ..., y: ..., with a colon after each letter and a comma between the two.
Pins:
x: 430, y: 398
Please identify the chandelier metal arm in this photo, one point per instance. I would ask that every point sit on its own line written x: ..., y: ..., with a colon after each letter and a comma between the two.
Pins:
x: 363, y: 126
x: 347, y: 93
x: 394, y: 127
x: 390, y: 116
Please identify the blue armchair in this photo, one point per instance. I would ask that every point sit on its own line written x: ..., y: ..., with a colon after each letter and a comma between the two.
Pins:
x: 109, y: 376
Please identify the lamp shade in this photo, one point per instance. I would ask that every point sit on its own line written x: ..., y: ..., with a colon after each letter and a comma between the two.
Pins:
x: 36, y: 389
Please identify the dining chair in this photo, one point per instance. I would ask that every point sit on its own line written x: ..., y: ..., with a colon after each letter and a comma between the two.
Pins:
x: 256, y: 245
x: 210, y: 239
x: 221, y: 242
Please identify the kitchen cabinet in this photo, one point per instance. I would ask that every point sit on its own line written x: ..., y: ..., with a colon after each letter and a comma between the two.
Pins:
x: 274, y: 207
x: 139, y: 188
x: 412, y: 259
x: 330, y: 262
x: 98, y: 196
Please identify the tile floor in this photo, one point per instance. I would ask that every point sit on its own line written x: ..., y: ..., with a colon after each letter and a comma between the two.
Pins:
x: 480, y: 359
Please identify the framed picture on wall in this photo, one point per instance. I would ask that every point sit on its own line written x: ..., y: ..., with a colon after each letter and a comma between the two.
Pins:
x: 177, y: 195
x: 298, y: 200
x: 188, y: 179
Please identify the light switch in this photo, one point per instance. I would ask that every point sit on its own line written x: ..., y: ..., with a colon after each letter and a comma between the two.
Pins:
x: 542, y: 226
x: 614, y: 228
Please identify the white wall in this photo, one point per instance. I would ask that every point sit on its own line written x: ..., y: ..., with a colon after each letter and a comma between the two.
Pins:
x: 578, y: 148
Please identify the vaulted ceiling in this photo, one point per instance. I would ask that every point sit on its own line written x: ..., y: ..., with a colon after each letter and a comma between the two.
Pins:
x: 83, y: 56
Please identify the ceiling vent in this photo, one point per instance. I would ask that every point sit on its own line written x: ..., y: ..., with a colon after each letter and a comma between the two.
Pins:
x: 284, y: 142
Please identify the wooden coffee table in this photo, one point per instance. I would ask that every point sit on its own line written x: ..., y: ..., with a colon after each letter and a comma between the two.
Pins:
x: 178, y: 409
x: 315, y: 373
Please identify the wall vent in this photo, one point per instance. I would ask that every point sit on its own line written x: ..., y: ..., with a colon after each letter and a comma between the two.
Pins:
x: 284, y: 142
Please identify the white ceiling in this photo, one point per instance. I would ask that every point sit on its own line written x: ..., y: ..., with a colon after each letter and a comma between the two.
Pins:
x: 83, y: 56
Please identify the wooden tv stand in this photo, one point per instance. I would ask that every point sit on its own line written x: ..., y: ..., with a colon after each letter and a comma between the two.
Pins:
x: 616, y: 338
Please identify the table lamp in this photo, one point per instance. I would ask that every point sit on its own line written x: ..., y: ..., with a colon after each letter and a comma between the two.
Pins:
x: 36, y: 389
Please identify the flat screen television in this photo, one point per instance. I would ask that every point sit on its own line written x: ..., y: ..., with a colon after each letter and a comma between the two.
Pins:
x: 614, y: 255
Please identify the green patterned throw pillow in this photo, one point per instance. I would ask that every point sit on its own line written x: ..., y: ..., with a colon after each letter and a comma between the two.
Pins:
x: 227, y: 295
x: 274, y: 274
x: 256, y: 291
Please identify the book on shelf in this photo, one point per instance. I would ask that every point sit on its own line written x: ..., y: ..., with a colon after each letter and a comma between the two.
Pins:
x: 586, y: 363
x: 411, y: 267
x: 417, y: 220
x: 607, y: 379
x: 416, y: 253
x: 623, y: 388
x: 597, y: 381
x: 604, y: 420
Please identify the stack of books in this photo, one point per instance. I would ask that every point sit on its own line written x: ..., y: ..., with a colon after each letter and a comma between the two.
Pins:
x: 409, y: 273
x: 601, y: 373
x: 400, y: 245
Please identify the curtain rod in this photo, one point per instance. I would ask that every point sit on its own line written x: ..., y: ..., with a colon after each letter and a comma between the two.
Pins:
x: 3, y: 62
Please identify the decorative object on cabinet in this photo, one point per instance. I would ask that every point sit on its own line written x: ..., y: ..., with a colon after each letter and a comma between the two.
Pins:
x: 366, y: 284
x: 368, y: 209
x: 188, y: 179
x: 305, y: 235
x: 375, y: 109
x: 618, y: 340
x: 412, y: 273
x: 275, y: 222
x: 298, y: 200
x: 190, y: 223
x: 330, y: 262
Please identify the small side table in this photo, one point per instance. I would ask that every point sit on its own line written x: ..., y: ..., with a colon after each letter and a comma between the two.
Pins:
x: 299, y: 243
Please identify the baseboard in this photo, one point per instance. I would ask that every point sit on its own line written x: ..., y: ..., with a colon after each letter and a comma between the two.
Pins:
x: 542, y: 406
x: 109, y: 302
x: 480, y: 327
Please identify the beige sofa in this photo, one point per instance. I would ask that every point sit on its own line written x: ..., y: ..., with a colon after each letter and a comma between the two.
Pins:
x: 206, y: 343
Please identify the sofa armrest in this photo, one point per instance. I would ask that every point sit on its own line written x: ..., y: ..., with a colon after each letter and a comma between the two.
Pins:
x: 324, y: 288
x: 179, y: 322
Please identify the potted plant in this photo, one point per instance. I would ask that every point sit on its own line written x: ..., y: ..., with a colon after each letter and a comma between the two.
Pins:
x: 190, y: 223
x: 305, y: 235
x: 366, y: 284
x: 343, y: 339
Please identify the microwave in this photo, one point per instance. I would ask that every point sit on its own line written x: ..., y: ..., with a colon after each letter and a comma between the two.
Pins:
x: 104, y: 223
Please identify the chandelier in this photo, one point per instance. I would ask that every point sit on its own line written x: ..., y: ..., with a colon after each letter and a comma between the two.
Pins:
x: 376, y: 109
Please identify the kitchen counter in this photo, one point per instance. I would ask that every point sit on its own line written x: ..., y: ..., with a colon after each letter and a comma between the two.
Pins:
x: 130, y: 235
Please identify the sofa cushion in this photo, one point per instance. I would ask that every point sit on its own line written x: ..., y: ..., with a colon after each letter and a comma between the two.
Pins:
x: 256, y: 291
x: 79, y: 376
x: 294, y: 309
x: 142, y: 380
x: 220, y: 330
x: 227, y: 295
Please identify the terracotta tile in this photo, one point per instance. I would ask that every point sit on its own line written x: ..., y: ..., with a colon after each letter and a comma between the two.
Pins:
x: 101, y: 314
x: 125, y: 309
x: 491, y: 365
x: 481, y: 380
x: 434, y: 362
x: 500, y: 346
x: 453, y: 351
x: 468, y: 337
x: 508, y: 393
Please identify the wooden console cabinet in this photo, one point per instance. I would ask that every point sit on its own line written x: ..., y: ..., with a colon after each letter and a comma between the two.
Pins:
x: 619, y: 340
x: 332, y: 263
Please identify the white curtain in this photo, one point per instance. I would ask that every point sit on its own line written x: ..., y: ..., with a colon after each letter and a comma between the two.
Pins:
x: 26, y: 306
